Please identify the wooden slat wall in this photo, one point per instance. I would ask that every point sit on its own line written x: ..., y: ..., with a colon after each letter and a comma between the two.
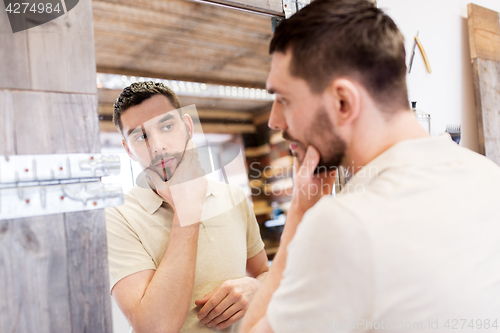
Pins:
x: 182, y: 40
x: 53, y: 269
x: 484, y: 41
x: 270, y: 7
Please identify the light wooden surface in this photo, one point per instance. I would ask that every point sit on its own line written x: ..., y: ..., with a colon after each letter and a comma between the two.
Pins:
x: 269, y: 7
x: 484, y: 37
x: 484, y: 33
x: 14, y: 68
x: 486, y: 75
x: 53, y: 269
x: 182, y: 40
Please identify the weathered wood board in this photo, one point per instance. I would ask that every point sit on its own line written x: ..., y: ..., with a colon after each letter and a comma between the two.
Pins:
x: 53, y: 269
x: 484, y: 41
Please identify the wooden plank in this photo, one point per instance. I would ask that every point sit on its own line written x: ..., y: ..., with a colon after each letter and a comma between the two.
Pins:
x: 88, y: 271
x: 484, y: 33
x: 268, y: 7
x: 33, y: 276
x: 107, y: 110
x: 61, y: 282
x: 261, y: 118
x: 107, y: 98
x: 227, y: 128
x: 64, y: 122
x: 7, y: 139
x: 108, y: 126
x: 14, y: 67
x: 486, y: 75
x: 183, y: 41
x: 61, y: 53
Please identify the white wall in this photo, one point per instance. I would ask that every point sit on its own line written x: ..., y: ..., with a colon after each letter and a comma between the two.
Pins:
x: 447, y: 94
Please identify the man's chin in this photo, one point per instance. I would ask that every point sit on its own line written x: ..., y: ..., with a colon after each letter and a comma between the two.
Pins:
x: 165, y: 173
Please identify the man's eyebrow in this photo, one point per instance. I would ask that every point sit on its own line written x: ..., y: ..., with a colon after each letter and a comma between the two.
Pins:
x: 139, y: 128
x: 272, y: 91
x: 166, y: 117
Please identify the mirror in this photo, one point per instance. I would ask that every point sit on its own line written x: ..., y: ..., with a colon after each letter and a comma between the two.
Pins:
x: 216, y: 61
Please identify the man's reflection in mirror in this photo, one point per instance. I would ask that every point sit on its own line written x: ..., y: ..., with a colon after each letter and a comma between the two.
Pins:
x: 166, y: 275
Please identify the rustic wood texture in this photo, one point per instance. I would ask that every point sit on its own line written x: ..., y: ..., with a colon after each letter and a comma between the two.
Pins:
x: 56, y: 56
x: 52, y: 123
x: 90, y: 302
x: 486, y: 75
x: 181, y: 40
x: 61, y: 52
x: 34, y: 276
x: 53, y: 269
x: 14, y: 67
x: 484, y: 33
x: 270, y: 7
x: 484, y: 37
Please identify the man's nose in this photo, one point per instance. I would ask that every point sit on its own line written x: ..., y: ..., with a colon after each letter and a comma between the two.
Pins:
x: 156, y: 144
x: 276, y: 118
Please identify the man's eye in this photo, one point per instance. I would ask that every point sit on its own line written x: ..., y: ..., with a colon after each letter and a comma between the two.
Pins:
x: 141, y: 138
x: 169, y: 126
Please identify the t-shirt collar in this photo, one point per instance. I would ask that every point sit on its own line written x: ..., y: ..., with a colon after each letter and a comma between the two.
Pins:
x: 151, y: 201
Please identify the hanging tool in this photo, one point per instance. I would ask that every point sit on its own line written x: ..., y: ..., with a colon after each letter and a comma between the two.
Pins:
x: 424, y: 55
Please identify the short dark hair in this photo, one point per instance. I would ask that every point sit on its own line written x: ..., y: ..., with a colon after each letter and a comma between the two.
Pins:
x: 353, y: 38
x: 137, y: 93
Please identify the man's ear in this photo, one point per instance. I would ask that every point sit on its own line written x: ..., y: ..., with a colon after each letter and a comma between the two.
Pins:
x: 346, y: 99
x: 188, y: 122
x: 124, y: 144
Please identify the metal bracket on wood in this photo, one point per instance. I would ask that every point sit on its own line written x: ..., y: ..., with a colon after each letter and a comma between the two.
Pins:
x: 33, y: 185
x: 290, y: 7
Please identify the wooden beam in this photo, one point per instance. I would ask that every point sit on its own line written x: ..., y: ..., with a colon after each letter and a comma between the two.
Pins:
x: 209, y: 79
x: 220, y: 128
x: 484, y: 33
x: 107, y: 110
x: 223, y: 115
x: 486, y: 74
x: 261, y: 118
x: 484, y: 36
x: 265, y: 7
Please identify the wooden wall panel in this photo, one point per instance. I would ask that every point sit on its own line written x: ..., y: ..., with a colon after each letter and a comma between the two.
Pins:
x: 33, y: 275
x: 14, y: 67
x: 53, y: 269
x: 486, y: 75
x: 61, y: 52
x: 182, y: 40
x: 87, y: 272
x: 484, y: 37
x: 484, y: 33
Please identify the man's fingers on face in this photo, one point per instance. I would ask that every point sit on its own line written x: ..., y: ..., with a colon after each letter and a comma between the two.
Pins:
x: 155, y: 178
x: 310, y: 162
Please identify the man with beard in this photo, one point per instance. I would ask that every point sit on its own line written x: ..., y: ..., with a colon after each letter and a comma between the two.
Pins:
x: 174, y: 264
x: 411, y: 242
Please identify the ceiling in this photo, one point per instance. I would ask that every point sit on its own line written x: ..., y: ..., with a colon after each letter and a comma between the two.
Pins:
x: 181, y: 40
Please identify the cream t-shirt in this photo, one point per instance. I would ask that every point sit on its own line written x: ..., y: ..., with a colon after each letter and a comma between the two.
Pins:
x: 412, y: 244
x: 138, y: 232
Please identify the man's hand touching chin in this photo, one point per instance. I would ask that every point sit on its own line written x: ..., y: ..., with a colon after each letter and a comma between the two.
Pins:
x: 309, y: 186
x: 227, y: 304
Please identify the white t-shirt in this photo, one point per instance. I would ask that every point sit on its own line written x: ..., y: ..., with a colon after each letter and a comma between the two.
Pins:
x: 412, y: 244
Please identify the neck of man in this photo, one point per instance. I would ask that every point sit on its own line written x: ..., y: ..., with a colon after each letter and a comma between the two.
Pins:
x: 375, y: 133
